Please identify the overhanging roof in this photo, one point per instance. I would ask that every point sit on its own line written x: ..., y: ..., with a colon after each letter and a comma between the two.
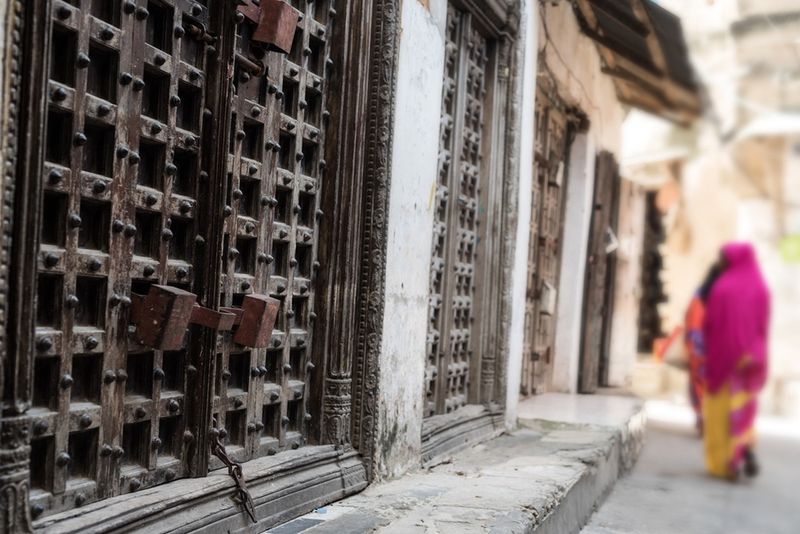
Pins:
x: 643, y: 48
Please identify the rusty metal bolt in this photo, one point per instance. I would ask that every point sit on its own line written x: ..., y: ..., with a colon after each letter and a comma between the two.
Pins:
x: 36, y: 510
x: 122, y: 375
x: 130, y: 230
x: 72, y: 301
x: 125, y: 78
x: 106, y: 450
x: 85, y: 420
x: 148, y: 271
x: 50, y: 260
x: 134, y: 484
x: 82, y: 61
x: 109, y: 376
x: 40, y: 427
x: 90, y: 343
x: 58, y: 94
x: 140, y: 412
x: 63, y: 459
x: 44, y: 344
x: 173, y: 406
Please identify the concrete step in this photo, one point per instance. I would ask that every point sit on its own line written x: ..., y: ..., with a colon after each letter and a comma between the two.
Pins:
x: 547, y: 476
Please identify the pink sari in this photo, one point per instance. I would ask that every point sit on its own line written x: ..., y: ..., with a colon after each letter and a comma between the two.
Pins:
x: 735, y: 331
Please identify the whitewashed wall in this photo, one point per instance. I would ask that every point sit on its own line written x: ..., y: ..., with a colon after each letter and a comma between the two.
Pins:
x: 414, y: 169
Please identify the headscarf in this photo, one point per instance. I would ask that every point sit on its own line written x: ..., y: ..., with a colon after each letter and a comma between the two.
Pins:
x: 737, y: 320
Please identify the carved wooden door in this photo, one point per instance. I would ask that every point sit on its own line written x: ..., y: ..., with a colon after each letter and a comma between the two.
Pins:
x: 552, y: 137
x: 142, y: 121
x: 599, y: 284
x: 272, y: 213
x: 455, y: 267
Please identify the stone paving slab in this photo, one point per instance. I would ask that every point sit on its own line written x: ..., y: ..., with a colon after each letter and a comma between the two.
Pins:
x: 547, y: 476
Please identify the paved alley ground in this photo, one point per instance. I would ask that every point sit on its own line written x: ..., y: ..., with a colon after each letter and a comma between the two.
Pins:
x: 668, y: 491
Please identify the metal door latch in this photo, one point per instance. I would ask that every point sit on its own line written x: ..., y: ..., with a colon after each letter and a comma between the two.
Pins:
x: 276, y: 23
x: 162, y: 316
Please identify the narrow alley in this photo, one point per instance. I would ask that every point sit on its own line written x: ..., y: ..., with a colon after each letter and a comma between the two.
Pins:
x: 669, y: 492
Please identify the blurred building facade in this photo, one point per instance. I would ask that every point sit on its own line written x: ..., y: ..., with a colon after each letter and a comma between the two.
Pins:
x: 735, y: 172
x: 430, y: 190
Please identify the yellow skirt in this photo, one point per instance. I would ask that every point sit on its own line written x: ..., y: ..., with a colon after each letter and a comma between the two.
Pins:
x: 720, y: 442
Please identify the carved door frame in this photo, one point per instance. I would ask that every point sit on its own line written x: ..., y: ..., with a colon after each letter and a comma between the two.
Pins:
x: 352, y: 266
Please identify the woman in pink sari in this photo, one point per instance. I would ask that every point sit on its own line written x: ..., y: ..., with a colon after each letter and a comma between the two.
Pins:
x: 735, y: 330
